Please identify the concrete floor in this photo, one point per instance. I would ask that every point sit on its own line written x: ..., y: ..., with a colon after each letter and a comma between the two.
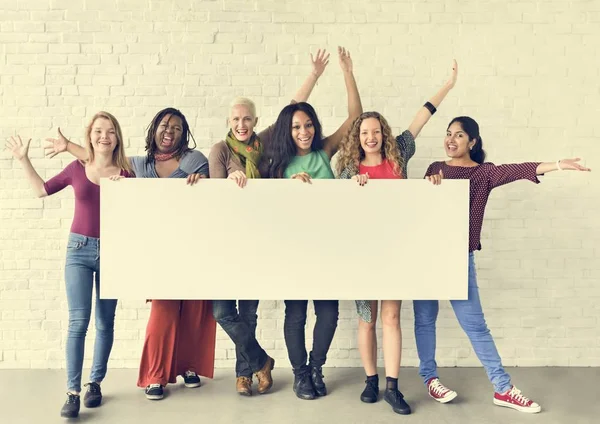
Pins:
x: 567, y: 396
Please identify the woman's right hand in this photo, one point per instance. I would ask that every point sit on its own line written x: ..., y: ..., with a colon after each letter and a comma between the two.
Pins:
x: 54, y: 146
x: 239, y: 177
x: 18, y: 150
x: 361, y: 178
x: 305, y: 177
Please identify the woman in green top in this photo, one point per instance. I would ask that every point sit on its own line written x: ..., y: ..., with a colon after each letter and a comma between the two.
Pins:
x: 298, y: 150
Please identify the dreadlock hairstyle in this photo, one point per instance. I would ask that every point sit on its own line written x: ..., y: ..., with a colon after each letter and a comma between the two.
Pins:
x: 282, y: 149
x: 186, y: 134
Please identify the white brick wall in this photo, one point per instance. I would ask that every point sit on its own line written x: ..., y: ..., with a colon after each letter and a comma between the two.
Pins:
x: 528, y: 73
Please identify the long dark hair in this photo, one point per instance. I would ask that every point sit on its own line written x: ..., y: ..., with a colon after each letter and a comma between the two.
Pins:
x: 186, y: 134
x: 282, y: 149
x: 471, y: 128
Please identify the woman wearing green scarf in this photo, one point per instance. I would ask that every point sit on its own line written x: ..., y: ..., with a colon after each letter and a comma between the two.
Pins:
x: 237, y: 158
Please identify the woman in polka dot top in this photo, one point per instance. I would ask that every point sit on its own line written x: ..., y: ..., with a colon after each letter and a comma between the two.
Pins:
x: 464, y: 147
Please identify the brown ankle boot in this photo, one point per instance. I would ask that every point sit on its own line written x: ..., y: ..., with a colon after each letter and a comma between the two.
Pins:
x: 265, y: 380
x: 243, y: 386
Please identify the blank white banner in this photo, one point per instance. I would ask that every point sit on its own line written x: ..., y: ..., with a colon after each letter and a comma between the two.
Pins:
x: 284, y: 239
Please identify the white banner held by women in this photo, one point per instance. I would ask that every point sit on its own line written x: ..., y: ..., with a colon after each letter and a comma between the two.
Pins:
x: 284, y: 239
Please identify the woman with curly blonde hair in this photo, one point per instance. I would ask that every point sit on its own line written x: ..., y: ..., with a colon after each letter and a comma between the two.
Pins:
x: 370, y: 151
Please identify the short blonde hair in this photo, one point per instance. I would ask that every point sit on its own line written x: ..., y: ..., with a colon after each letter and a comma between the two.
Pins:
x: 243, y: 101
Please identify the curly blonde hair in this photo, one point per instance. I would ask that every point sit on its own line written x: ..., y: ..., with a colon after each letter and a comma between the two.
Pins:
x: 352, y: 153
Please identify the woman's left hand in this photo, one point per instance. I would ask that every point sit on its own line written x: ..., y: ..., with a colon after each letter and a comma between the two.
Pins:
x: 194, y: 178
x: 572, y: 165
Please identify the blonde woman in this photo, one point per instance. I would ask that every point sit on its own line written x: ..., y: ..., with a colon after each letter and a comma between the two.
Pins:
x: 106, y: 157
x: 371, y: 152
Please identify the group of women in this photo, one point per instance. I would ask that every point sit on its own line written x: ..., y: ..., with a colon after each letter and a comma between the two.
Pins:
x: 180, y: 335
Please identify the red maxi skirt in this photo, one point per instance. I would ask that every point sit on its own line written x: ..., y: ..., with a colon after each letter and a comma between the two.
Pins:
x: 180, y: 337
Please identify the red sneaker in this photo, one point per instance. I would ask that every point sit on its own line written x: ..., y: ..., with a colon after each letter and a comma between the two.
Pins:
x: 440, y: 392
x: 515, y: 400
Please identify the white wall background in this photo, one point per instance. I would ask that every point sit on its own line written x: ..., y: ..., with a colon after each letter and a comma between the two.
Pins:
x: 528, y: 73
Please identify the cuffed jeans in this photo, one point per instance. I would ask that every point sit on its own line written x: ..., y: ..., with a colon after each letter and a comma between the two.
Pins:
x: 241, y: 329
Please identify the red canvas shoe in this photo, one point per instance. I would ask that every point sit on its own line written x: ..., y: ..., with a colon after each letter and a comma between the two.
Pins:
x: 440, y: 392
x: 515, y: 400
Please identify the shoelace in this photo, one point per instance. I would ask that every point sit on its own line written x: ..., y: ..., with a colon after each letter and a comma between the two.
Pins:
x: 71, y: 398
x: 518, y: 396
x: 372, y: 385
x: 318, y: 371
x: 153, y: 386
x: 94, y: 387
x: 438, y: 388
x: 190, y: 374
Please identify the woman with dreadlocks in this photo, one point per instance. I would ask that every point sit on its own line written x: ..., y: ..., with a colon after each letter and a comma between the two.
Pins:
x: 180, y: 335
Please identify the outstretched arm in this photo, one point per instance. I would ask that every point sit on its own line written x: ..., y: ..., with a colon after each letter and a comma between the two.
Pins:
x: 54, y: 146
x: 21, y: 153
x: 318, y: 67
x: 560, y: 165
x: 332, y: 142
x: 424, y: 113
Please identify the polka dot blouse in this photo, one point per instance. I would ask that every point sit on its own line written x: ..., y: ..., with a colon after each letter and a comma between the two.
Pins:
x: 484, y: 178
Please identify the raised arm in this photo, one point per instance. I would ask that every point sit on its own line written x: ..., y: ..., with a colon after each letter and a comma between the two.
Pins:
x: 318, y: 67
x: 430, y: 107
x: 54, y: 146
x: 21, y: 153
x: 332, y: 142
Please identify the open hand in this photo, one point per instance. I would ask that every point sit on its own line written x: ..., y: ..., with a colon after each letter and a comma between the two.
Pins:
x: 16, y: 147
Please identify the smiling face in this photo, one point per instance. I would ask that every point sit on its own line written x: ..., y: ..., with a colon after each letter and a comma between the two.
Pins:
x: 457, y: 143
x: 242, y: 122
x: 169, y: 133
x: 371, y: 136
x: 303, y: 132
x: 103, y: 136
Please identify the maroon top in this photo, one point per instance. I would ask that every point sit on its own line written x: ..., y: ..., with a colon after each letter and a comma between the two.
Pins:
x: 86, y: 220
x: 484, y: 178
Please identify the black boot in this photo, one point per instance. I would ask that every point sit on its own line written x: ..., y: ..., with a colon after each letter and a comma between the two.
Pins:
x: 71, y: 407
x: 303, y: 386
x: 316, y: 375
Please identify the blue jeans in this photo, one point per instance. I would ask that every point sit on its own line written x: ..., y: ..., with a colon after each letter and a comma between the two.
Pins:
x: 471, y: 319
x: 241, y: 329
x: 247, y: 309
x: 83, y: 260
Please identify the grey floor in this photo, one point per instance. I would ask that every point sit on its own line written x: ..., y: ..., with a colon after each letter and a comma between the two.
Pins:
x: 567, y: 395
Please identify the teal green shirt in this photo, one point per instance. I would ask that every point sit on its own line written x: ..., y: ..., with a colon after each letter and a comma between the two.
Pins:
x: 316, y: 164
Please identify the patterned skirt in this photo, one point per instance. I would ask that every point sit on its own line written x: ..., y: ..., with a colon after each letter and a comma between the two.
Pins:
x: 363, y: 309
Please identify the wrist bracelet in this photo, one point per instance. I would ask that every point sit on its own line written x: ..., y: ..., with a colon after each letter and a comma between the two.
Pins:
x: 431, y: 108
x: 558, y: 165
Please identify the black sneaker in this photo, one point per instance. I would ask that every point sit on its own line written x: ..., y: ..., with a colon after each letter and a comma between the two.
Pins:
x: 191, y: 379
x: 303, y: 386
x: 93, y: 396
x: 71, y: 407
x: 154, y: 392
x: 371, y: 392
x: 316, y: 375
x: 396, y: 399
